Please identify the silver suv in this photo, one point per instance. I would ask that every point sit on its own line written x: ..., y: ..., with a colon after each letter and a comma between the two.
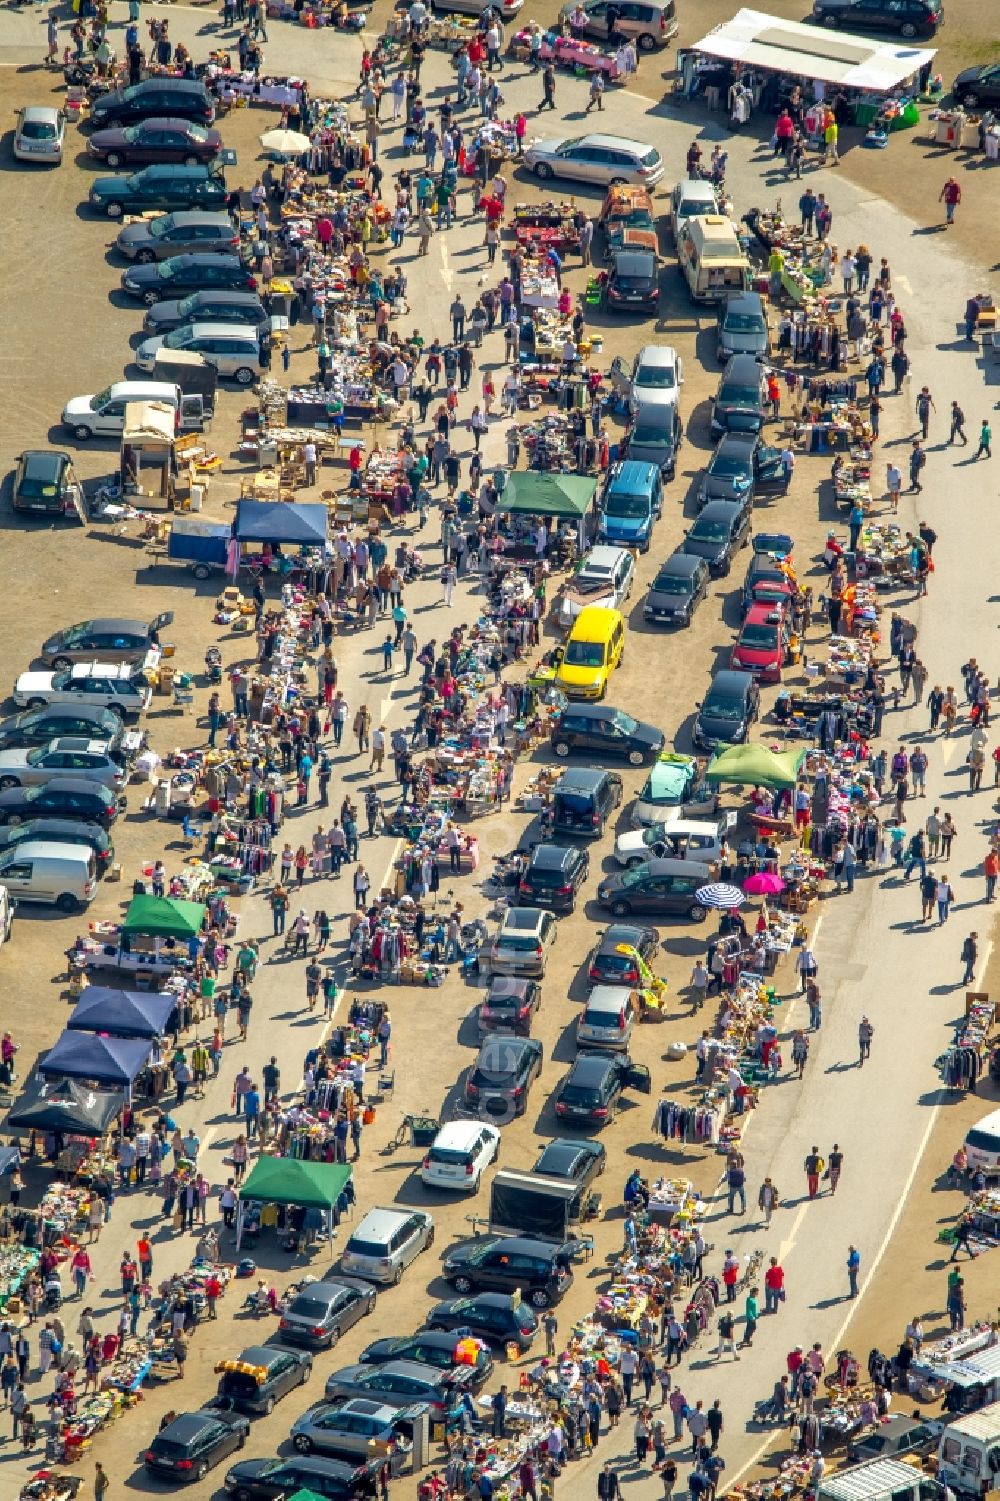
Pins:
x: 650, y: 23
x: 385, y: 1243
x: 177, y: 234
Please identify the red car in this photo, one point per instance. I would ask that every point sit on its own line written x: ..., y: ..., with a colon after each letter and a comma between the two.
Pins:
x: 762, y: 644
x: 156, y: 140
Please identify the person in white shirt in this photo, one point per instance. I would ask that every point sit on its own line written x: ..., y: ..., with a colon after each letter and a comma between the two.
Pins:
x: 309, y: 459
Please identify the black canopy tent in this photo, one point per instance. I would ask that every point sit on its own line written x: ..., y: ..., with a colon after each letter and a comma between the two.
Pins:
x: 63, y: 1105
x: 280, y: 521
x: 115, y: 1061
x: 123, y: 1013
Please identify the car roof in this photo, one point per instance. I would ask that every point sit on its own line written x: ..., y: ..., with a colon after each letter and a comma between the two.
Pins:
x: 608, y: 997
x: 188, y: 218
x: 101, y: 669
x: 736, y: 440
x: 719, y: 510
x: 414, y: 1368
x: 381, y: 1221
x: 730, y: 680
x: 744, y: 302
x: 531, y: 1245
x: 368, y: 1408
x: 160, y: 122
x: 168, y: 169
x: 681, y: 564
x: 45, y: 463
x: 66, y: 784
x: 45, y: 114
x: 657, y: 354
x: 591, y: 1067
x: 190, y: 260
x: 500, y: 1300
x: 316, y: 1465
x: 94, y: 712
x: 327, y: 1287
x: 458, y: 1135
x: 634, y: 260
x: 246, y: 331
x: 107, y: 623
x: 516, y: 987
x: 629, y: 473
x: 187, y: 1425
x: 225, y: 298
x: 603, y: 556
x: 509, y: 1049
x: 78, y: 742
x: 764, y: 613
x: 559, y: 1157
x: 743, y: 365
x: 695, y: 187
x: 580, y: 778
x: 522, y: 919
x: 621, y: 932
x: 264, y: 1355
x: 41, y: 848
x: 552, y: 856
x: 618, y: 143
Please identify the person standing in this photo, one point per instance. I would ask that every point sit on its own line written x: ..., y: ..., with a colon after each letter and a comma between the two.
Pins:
x: 893, y: 485
x: 951, y: 196
x: 918, y: 459
x: 834, y: 1166
x: 774, y: 1286
x: 865, y: 1034
x: 991, y: 869
x: 853, y: 1268
x: 969, y: 956
x: 944, y: 897
x: 101, y: 1482
x: 924, y: 407
x: 767, y: 1200
x: 608, y: 1488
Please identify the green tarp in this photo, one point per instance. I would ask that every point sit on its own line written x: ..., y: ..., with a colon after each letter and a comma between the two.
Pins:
x: 164, y: 917
x: 286, y: 1180
x: 749, y: 764
x: 531, y: 493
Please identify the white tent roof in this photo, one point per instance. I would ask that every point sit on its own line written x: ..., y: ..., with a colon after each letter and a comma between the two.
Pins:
x: 762, y: 41
x: 148, y: 421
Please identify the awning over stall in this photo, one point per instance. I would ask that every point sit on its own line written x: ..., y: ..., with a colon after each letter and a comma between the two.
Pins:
x: 123, y: 1013
x: 105, y: 1060
x: 529, y: 492
x: 749, y: 764
x: 286, y: 1180
x: 280, y: 521
x: 164, y: 917
x: 63, y: 1105
x: 758, y: 40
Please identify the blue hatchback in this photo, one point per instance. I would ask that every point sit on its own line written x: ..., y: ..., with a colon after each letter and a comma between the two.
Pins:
x: 632, y: 501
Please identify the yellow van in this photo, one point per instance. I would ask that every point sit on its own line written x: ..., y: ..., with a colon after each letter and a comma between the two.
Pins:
x: 711, y: 258
x: 593, y: 650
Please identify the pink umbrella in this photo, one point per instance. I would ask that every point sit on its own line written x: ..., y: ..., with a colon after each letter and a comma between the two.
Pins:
x: 763, y: 884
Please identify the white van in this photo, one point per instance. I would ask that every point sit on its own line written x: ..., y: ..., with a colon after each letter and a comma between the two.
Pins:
x: 879, y: 1480
x: 969, y: 1452
x: 982, y: 1144
x: 6, y: 916
x: 103, y: 415
x: 58, y: 875
x: 711, y: 258
x: 607, y: 1019
x: 701, y: 840
x: 691, y: 197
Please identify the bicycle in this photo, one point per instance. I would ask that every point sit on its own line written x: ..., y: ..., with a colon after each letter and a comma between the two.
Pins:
x: 418, y: 1130
x: 749, y: 1274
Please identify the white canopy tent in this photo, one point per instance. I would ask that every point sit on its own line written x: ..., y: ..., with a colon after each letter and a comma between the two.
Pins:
x: 836, y: 57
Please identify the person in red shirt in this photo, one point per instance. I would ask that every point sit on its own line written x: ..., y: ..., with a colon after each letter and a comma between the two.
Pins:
x: 213, y: 1291
x: 774, y: 1286
x: 730, y: 1275
x: 794, y: 1360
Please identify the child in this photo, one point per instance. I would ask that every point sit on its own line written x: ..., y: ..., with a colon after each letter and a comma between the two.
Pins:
x: 387, y: 649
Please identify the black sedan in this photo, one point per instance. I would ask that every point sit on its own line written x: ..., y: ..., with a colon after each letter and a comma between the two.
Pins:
x: 206, y: 307
x: 717, y: 535
x: 433, y: 1347
x: 910, y: 18
x: 741, y: 466
x: 194, y: 1442
x: 180, y: 274
x: 335, y: 1479
x: 494, y: 1317
x: 609, y: 965
x: 572, y: 1161
x: 980, y: 85
x: 39, y: 726
x: 63, y: 797
x: 599, y: 727
x: 155, y: 140
x: 677, y: 590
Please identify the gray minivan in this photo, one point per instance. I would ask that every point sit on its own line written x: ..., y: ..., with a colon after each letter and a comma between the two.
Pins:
x: 234, y: 349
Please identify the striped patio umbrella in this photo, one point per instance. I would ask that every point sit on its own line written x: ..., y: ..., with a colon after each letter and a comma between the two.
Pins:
x: 719, y: 894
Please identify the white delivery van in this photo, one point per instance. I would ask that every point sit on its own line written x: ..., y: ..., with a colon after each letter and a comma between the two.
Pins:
x: 711, y: 259
x: 879, y: 1480
x: 702, y: 840
x: 102, y: 415
x: 57, y: 875
x: 6, y: 915
x: 982, y: 1144
x: 969, y: 1452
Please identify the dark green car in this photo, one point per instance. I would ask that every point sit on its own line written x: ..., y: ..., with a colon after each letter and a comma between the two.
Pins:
x: 163, y: 186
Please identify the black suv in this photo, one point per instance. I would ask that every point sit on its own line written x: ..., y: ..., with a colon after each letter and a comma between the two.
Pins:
x: 740, y: 405
x: 582, y: 802
x: 609, y: 966
x: 572, y: 1161
x: 334, y: 1479
x: 277, y: 1372
x: 598, y: 727
x: 909, y: 17
x: 497, y: 1318
x: 633, y: 284
x: 180, y: 98
x: 740, y: 466
x: 209, y: 306
x: 727, y: 711
x: 718, y: 533
x: 677, y: 590
x: 590, y: 1093
x: 432, y: 1347
x: 187, y: 1448
x: 509, y: 1005
x: 655, y: 887
x: 553, y: 876
x: 506, y: 1263
x: 61, y: 831
x: 500, y: 1079
x: 180, y: 274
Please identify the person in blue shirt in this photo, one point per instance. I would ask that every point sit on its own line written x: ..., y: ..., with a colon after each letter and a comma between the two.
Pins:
x: 853, y: 1268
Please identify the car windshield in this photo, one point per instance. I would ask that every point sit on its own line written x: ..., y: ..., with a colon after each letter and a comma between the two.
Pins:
x: 738, y: 396
x: 722, y: 708
x: 729, y: 465
x: 39, y: 480
x: 634, y: 877
x: 584, y: 654
x: 759, y: 634
x: 647, y: 436
x: 618, y: 504
x: 651, y: 158
x: 167, y: 270
x: 179, y: 338
x: 38, y: 130
x: 709, y: 530
x: 743, y: 323
x: 657, y: 377
x: 624, y: 722
x: 102, y: 398
x: 34, y: 757
x: 568, y: 147
x: 135, y: 181
x: 197, y: 133
x: 309, y: 1308
x: 692, y: 207
x: 159, y: 227
x: 672, y: 583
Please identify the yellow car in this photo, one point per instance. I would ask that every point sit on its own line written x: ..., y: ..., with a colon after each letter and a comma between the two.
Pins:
x: 593, y: 650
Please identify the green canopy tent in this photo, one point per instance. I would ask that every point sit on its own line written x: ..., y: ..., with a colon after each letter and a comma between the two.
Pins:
x: 286, y: 1180
x: 531, y: 493
x: 163, y: 917
x: 751, y: 764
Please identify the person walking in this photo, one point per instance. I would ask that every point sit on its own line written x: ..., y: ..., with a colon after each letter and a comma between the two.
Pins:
x: 608, y: 1488
x: 800, y: 1050
x: 944, y: 896
x: 893, y: 485
x: 736, y: 1184
x: 957, y: 424
x: 767, y: 1200
x: 918, y: 459
x: 991, y: 869
x: 865, y: 1034
x: 813, y: 1166
x: 853, y: 1268
x: 548, y: 88
x: 101, y: 1482
x: 924, y: 407
x: 951, y: 196
x: 969, y: 956
x: 985, y: 441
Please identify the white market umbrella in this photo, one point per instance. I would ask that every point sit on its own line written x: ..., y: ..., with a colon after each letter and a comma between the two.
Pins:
x: 719, y: 894
x: 285, y: 142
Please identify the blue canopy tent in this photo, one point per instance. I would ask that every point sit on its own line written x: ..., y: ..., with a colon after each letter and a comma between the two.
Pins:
x: 280, y: 521
x: 61, y: 1105
x: 9, y: 1158
x: 123, y: 1013
x: 115, y: 1061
